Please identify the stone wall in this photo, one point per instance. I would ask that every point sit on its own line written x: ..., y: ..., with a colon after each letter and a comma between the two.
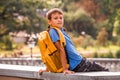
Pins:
x: 111, y: 63
x: 21, y: 72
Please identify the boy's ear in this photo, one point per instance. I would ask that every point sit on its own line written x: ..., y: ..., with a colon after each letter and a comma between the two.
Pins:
x: 49, y: 22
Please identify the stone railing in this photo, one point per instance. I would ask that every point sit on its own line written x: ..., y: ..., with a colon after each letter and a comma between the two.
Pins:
x: 21, y: 61
x: 22, y: 72
x: 111, y: 63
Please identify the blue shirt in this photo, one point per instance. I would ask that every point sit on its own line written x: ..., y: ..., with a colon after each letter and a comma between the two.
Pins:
x: 74, y: 57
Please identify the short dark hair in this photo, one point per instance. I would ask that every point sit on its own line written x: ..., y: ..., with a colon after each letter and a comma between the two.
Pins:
x: 54, y: 10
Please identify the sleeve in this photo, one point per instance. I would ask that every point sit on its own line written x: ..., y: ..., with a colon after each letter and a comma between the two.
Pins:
x: 54, y: 35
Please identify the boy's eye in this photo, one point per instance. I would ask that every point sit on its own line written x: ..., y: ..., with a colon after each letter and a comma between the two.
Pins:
x: 60, y: 17
x: 57, y: 18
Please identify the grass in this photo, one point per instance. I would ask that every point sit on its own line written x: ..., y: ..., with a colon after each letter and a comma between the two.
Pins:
x: 24, y: 48
x: 88, y: 52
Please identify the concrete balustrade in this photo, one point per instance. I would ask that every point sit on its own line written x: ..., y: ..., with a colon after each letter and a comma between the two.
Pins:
x: 21, y: 61
x: 111, y: 63
x: 22, y: 72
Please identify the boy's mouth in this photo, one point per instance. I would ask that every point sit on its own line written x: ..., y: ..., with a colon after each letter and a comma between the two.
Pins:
x: 59, y: 23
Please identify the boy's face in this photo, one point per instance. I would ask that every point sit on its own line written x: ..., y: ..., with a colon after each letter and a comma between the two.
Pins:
x: 56, y: 20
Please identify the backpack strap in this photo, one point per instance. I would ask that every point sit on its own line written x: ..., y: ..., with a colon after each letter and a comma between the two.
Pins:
x: 61, y: 36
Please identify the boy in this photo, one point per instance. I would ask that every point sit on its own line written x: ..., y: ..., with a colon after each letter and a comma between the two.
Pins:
x: 76, y: 62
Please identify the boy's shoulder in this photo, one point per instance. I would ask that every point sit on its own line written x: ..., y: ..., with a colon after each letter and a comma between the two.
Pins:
x: 53, y: 30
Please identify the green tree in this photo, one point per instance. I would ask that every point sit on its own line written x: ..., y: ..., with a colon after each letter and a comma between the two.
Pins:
x: 110, y: 9
x: 79, y: 21
x: 17, y: 15
x: 102, y: 37
x: 21, y: 15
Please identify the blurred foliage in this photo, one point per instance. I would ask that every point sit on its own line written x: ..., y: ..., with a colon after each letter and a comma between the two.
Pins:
x: 110, y: 9
x: 20, y: 15
x: 118, y: 54
x: 103, y: 55
x: 79, y: 21
x: 102, y: 37
x: 80, y: 15
x: 6, y: 43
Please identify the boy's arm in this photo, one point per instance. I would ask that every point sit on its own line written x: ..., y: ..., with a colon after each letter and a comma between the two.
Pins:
x: 63, y: 58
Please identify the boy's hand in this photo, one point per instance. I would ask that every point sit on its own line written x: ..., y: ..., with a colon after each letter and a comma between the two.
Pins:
x: 68, y: 72
x: 41, y: 71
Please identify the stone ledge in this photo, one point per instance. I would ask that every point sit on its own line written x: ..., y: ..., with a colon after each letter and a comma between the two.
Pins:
x: 83, y: 76
x: 31, y: 72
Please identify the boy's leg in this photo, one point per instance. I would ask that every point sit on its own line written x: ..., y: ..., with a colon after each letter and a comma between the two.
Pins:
x: 89, y: 66
x: 97, y: 67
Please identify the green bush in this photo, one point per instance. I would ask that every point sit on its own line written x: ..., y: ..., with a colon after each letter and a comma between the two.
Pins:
x: 109, y: 55
x: 118, y: 54
x: 103, y: 55
x: 6, y: 43
x: 95, y: 55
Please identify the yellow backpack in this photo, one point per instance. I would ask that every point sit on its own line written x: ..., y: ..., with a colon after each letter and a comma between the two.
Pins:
x: 49, y: 53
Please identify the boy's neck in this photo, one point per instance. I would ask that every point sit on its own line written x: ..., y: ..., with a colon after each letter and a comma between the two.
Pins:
x: 56, y: 27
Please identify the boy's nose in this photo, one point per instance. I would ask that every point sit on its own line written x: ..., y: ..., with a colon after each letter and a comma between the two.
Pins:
x: 59, y: 20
